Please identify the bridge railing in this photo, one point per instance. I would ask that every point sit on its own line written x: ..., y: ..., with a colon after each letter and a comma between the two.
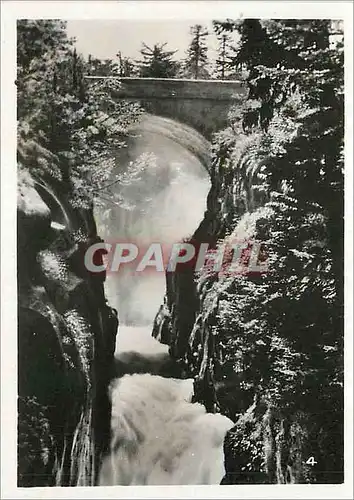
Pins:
x: 175, y: 88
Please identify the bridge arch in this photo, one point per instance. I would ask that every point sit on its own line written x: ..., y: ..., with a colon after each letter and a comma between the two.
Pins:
x: 184, y: 135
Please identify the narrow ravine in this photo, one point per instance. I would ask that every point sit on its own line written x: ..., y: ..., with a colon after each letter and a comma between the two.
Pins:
x: 163, y: 204
x: 165, y: 438
x: 140, y: 362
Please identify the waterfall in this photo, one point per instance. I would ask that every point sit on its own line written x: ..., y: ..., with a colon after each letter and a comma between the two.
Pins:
x: 163, y: 204
x: 158, y: 435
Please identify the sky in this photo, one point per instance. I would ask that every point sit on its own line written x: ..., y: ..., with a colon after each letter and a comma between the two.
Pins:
x: 104, y: 38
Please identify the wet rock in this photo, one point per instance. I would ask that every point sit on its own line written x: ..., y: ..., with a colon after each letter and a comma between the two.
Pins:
x: 66, y: 341
x: 213, y: 340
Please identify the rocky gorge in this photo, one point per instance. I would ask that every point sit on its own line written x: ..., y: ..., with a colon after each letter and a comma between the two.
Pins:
x: 66, y: 339
x: 222, y: 331
x: 263, y: 349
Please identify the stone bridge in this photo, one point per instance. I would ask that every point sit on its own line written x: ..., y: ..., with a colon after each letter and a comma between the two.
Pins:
x: 186, y: 111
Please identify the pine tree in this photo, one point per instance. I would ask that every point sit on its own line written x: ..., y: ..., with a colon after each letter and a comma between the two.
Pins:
x: 223, y: 68
x: 157, y: 62
x: 222, y: 61
x: 196, y: 62
x: 296, y: 55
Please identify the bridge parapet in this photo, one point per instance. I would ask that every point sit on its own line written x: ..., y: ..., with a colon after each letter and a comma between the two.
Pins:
x: 173, y: 88
x: 201, y: 104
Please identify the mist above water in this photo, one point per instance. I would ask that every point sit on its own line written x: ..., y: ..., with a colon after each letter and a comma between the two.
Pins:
x: 164, y: 205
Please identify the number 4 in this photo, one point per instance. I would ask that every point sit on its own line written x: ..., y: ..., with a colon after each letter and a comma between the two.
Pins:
x: 311, y: 461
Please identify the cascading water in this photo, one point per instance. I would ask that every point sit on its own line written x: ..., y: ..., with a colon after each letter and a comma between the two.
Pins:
x: 158, y: 435
x: 163, y: 204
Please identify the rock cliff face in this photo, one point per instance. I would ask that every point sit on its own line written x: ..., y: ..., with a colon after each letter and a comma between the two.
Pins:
x: 66, y: 341
x: 216, y: 338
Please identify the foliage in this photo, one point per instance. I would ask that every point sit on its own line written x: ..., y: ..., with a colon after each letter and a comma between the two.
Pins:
x: 157, y: 62
x: 65, y: 116
x: 35, y: 443
x: 226, y: 50
x: 122, y: 66
x: 277, y: 177
x: 221, y: 63
x: 98, y: 67
x: 127, y: 67
x: 121, y: 191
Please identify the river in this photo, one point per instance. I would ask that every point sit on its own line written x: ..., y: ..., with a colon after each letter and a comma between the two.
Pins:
x: 158, y: 435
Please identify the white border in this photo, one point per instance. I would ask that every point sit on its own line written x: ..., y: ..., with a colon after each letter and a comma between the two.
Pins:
x: 185, y: 9
x: 12, y: 10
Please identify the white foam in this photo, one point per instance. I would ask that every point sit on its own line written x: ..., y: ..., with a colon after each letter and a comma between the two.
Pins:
x: 138, y: 339
x: 159, y: 437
